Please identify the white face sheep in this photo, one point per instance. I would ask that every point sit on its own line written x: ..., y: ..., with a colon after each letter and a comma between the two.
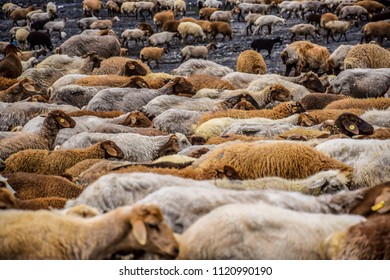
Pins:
x: 125, y: 230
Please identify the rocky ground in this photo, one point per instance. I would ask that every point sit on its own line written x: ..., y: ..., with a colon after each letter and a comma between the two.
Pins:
x: 226, y: 53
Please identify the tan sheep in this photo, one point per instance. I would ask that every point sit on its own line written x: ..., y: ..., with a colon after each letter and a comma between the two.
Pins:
x: 220, y: 27
x: 380, y: 30
x: 206, y: 81
x: 149, y: 54
x: 162, y: 17
x: 367, y: 56
x: 18, y: 91
x: 117, y: 65
x: 186, y: 29
x: 104, y: 24
x: 325, y: 18
x: 358, y: 103
x: 252, y: 62
x: 49, y: 235
x: 92, y: 8
x: 206, y: 12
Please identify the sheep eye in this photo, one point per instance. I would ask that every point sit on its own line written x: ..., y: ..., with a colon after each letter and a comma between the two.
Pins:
x: 153, y: 226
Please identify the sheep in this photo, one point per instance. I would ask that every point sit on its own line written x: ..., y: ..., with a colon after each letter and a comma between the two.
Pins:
x: 381, y: 16
x: 130, y: 100
x: 269, y: 21
x: 367, y: 56
x: 92, y: 7
x: 123, y: 66
x: 196, y: 51
x: 302, y: 54
x: 325, y: 18
x: 189, y: 28
x: 149, y: 54
x: 378, y: 30
x: 56, y: 162
x: 8, y: 200
x: 354, y: 11
x: 21, y: 37
x: 85, y: 23
x: 315, y: 117
x: 250, y: 20
x: 252, y: 62
x: 281, y: 111
x: 177, y: 120
x: 290, y: 7
x: 18, y: 91
x: 26, y: 55
x: 79, y: 168
x: 316, y: 101
x: 149, y: 148
x: 200, y: 66
x: 336, y: 59
x: 142, y: 6
x: 31, y: 186
x: 212, y: 3
x: 377, y: 117
x: 220, y: 27
x: 133, y: 34
x: 364, y: 241
x: 364, y: 104
x: 20, y: 14
x: 161, y: 38
x: 206, y: 12
x: 115, y: 234
x: 221, y: 233
x: 128, y: 8
x: 10, y: 66
x: 40, y: 39
x: 104, y: 23
x: 179, y: 6
x: 225, y: 16
x: 265, y: 44
x: 162, y: 17
x: 304, y: 29
x: 56, y: 26
x: 361, y: 83
x: 79, y: 45
x: 54, y: 121
x: 42, y: 78
x: 39, y: 19
x: 74, y: 95
x: 200, y: 81
x: 112, y: 8
x: 337, y: 26
x: 313, y: 18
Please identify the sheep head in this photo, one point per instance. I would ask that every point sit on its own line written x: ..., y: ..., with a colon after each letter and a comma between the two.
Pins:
x: 311, y: 81
x: 242, y: 102
x: 24, y: 88
x: 10, y: 48
x: 136, y: 82
x: 169, y: 148
x: 137, y: 119
x: 111, y: 150
x: 305, y: 119
x: 350, y: 124
x: 181, y: 85
x: 7, y: 199
x: 279, y: 93
x: 61, y: 119
x: 295, y: 107
x: 149, y: 233
x: 376, y: 200
x: 135, y: 68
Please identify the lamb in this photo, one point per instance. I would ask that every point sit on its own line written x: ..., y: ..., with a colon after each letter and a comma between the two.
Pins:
x: 337, y: 26
x: 361, y: 83
x: 220, y: 27
x: 36, y: 38
x: 367, y: 56
x: 79, y: 45
x: 364, y: 241
x: 149, y: 148
x: 268, y: 20
x: 302, y: 54
x: 213, y: 234
x: 189, y: 28
x: 196, y: 51
x: 281, y: 111
x: 8, y: 200
x: 31, y: 186
x: 114, y: 234
x: 149, y: 54
x: 129, y: 100
x: 85, y: 23
x: 373, y: 30
x: 54, y: 121
x: 336, y: 59
x: 10, y: 66
x: 265, y: 44
x: 200, y: 66
x: 304, y: 29
x: 104, y: 23
x: 56, y: 162
x: 161, y: 38
x: 56, y: 26
x: 252, y: 62
x: 317, y: 101
x: 17, y: 92
x: 364, y: 104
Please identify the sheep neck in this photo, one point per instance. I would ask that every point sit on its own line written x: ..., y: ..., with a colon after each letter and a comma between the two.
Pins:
x: 49, y: 132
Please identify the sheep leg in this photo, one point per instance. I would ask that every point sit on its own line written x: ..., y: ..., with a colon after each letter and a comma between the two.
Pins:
x: 269, y: 29
x: 288, y: 70
x: 293, y: 36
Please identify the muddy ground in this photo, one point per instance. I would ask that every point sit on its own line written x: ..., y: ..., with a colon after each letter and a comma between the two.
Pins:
x: 226, y: 53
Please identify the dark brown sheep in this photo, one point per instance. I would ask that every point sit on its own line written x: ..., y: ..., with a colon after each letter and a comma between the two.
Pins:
x: 351, y: 125
x: 316, y: 101
x: 18, y: 91
x: 11, y: 66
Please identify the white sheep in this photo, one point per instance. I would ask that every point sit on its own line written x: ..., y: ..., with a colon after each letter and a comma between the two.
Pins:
x: 55, y: 26
x: 212, y: 3
x: 293, y: 235
x: 269, y: 21
x: 189, y: 28
x: 85, y: 23
x: 201, y: 66
x: 134, y: 34
x: 196, y: 51
x: 290, y: 7
x: 161, y: 38
x: 177, y: 120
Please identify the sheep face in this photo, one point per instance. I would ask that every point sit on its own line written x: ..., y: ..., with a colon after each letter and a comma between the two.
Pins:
x: 137, y: 82
x: 295, y: 108
x: 312, y: 82
x: 352, y: 125
x: 62, y: 120
x: 181, y: 85
x: 306, y: 120
x: 280, y: 93
x: 137, y: 119
x: 149, y: 233
x: 134, y: 68
x: 170, y: 148
x: 7, y: 199
x: 111, y: 150
x: 232, y: 102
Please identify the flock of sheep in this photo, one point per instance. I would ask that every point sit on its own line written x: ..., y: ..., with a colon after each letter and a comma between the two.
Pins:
x: 102, y: 158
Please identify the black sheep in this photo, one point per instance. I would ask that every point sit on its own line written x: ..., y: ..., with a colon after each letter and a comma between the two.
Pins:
x: 36, y: 38
x: 265, y: 44
x: 351, y: 125
x: 314, y: 19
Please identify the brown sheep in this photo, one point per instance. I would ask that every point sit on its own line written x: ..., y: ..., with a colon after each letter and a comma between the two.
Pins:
x: 327, y: 17
x: 162, y: 17
x: 103, y: 115
x: 149, y: 54
x: 378, y: 30
x: 220, y: 27
x: 281, y: 111
x: 357, y: 103
x: 11, y: 66
x: 371, y: 6
x: 315, y: 117
x: 117, y: 66
x: 145, y: 26
x: 205, y: 13
x: 79, y: 167
x: 216, y: 140
x: 92, y: 8
x: 17, y: 92
x: 316, y: 101
x: 171, y: 25
x: 56, y: 162
x: 30, y: 186
x: 252, y: 62
x: 20, y: 14
x: 206, y: 81
x: 6, y: 83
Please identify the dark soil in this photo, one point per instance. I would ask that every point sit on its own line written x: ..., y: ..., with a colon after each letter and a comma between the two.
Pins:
x: 226, y: 53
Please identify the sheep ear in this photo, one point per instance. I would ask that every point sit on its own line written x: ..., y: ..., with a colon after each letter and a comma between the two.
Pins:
x: 110, y: 150
x: 64, y: 123
x: 382, y: 202
x: 350, y: 126
x: 139, y: 231
x: 28, y: 87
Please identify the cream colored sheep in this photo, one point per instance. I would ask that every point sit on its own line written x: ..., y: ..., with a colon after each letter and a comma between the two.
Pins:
x: 367, y: 56
x: 252, y: 62
x: 104, y: 23
x: 189, y: 28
